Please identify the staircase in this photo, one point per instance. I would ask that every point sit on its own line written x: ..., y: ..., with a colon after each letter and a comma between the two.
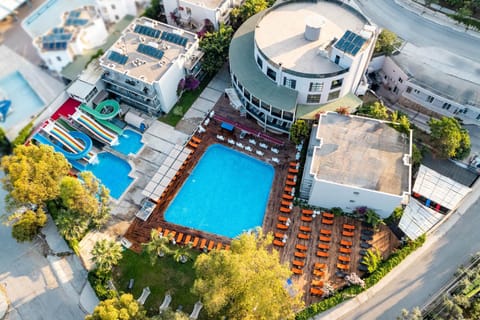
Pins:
x: 306, y: 186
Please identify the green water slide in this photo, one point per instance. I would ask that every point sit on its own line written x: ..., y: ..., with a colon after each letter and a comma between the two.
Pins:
x: 103, y: 112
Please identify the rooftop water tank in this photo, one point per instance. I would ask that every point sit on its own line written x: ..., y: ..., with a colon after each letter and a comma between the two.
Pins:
x: 313, y: 26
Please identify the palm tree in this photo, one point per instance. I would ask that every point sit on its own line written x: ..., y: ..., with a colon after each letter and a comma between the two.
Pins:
x: 372, y: 218
x: 158, y: 245
x: 182, y: 254
x: 106, y: 254
x: 372, y: 259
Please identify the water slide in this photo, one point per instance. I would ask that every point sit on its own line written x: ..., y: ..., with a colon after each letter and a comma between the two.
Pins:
x: 4, y: 107
x: 103, y: 112
x: 95, y: 128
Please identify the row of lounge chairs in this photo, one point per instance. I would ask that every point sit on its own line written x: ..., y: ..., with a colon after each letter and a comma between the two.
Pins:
x: 196, y: 242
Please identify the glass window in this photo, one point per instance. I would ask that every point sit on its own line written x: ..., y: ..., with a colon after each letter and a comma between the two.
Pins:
x: 287, y: 115
x: 113, y: 7
x: 316, y: 86
x: 430, y: 99
x: 234, y: 78
x: 272, y: 74
x: 409, y: 89
x: 255, y: 101
x: 259, y: 62
x: 291, y: 83
x: 314, y: 98
x: 400, y: 80
x: 336, y: 83
x: 265, y: 106
x: 276, y: 112
x: 333, y: 95
x: 246, y: 94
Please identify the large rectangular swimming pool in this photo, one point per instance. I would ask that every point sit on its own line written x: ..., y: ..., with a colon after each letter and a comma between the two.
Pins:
x: 226, y: 193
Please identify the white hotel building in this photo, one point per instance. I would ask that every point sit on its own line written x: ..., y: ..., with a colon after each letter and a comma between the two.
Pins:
x: 145, y: 65
x: 299, y: 58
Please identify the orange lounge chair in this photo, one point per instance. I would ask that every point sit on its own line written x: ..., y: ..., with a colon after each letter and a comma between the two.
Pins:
x: 166, y: 232
x: 192, y: 145
x: 297, y: 271
x: 291, y: 176
x: 317, y: 283
x: 346, y: 243
x: 288, y: 189
x: 320, y: 265
x: 301, y: 247
x: 344, y: 258
x: 292, y: 170
x: 159, y: 229
x: 285, y: 210
x: 219, y: 246
x: 305, y: 229
x: 287, y: 196
x: 349, y: 227
x: 316, y: 292
x: 196, y: 139
x: 303, y: 236
x: 282, y: 218
x: 173, y: 233
x: 307, y: 211
x: 322, y: 254
x: 300, y: 255
x: 348, y: 234
x: 179, y: 238
x: 203, y: 243
x: 195, y: 242
x: 187, y: 239
x: 227, y: 247
x: 342, y: 266
x: 211, y: 244
x: 298, y: 263
x: 327, y: 221
x: 282, y: 226
x: 290, y: 183
x: 327, y: 215
x: 324, y: 239
x: 293, y: 164
x: 287, y: 203
x: 323, y: 246
x: 326, y: 232
x: 306, y: 219
x: 318, y: 273
x: 279, y: 235
x: 278, y: 243
x: 345, y: 250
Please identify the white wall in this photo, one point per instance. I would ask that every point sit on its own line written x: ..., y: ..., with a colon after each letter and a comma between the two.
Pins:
x: 328, y: 195
x: 168, y: 83
x: 114, y: 10
x: 376, y: 64
x: 56, y: 60
x: 94, y: 35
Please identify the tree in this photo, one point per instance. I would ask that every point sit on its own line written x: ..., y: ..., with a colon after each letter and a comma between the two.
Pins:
x: 154, y: 11
x: 123, y: 308
x: 182, y: 254
x: 33, y: 174
x: 378, y: 111
x: 169, y: 314
x: 246, y: 282
x: 71, y: 225
x: 387, y: 42
x: 299, y: 131
x: 400, y: 122
x: 157, y: 246
x: 106, y: 254
x: 249, y: 8
x: 416, y: 314
x: 354, y: 280
x: 215, y: 46
x: 449, y: 138
x: 416, y: 155
x: 372, y: 218
x: 26, y: 225
x: 5, y: 145
x: 372, y: 259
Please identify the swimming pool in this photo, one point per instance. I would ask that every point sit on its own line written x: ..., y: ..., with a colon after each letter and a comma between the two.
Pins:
x: 225, y: 194
x: 25, y: 102
x: 129, y: 142
x: 112, y: 172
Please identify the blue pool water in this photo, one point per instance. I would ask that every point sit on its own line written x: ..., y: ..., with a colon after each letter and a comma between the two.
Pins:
x: 25, y: 102
x: 226, y: 193
x: 112, y: 172
x: 129, y: 142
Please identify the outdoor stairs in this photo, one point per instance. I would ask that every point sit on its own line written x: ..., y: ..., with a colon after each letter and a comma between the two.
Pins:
x: 243, y: 112
x: 306, y: 187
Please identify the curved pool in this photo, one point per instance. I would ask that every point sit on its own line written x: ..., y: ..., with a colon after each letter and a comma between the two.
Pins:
x: 129, y: 142
x: 225, y: 194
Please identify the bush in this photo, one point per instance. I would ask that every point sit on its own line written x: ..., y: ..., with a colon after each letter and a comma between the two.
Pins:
x: 23, y: 135
x: 5, y: 146
x: 99, y: 283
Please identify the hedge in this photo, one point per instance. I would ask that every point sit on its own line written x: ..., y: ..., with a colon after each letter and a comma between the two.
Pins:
x: 349, y: 292
x: 23, y: 135
x: 468, y: 21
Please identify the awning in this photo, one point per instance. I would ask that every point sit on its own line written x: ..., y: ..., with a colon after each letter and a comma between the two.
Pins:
x: 227, y: 126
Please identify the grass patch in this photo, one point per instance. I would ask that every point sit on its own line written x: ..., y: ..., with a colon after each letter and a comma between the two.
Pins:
x: 166, y: 275
x: 185, y: 102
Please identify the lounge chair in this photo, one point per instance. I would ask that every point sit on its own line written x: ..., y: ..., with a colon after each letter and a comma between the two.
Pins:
x: 319, y: 265
x: 344, y: 258
x: 303, y: 236
x: 316, y: 292
x: 293, y: 164
x: 364, y: 237
x: 187, y: 239
x: 203, y: 243
x: 285, y: 210
x: 288, y: 189
x: 279, y: 235
x: 327, y: 221
x: 196, y: 310
x: 317, y: 283
x: 305, y: 229
x: 227, y: 247
x: 196, y: 139
x: 220, y: 137
x: 365, y: 245
x: 282, y: 226
x: 291, y: 176
x: 327, y: 215
x: 297, y: 271
x: 307, y: 211
x: 301, y: 247
x: 349, y: 227
x: 345, y: 250
x: 368, y: 232
x: 306, y: 219
x: 143, y: 297
x: 211, y: 244
x: 290, y: 183
x: 219, y: 246
x: 362, y: 268
x: 323, y: 246
x: 286, y: 203
x: 318, y: 273
x: 179, y: 238
x: 298, y: 263
x: 165, y: 303
x: 346, y: 243
x: 278, y: 243
x: 287, y: 196
x: 326, y: 232
x: 348, y: 234
x: 342, y: 266
x: 195, y: 242
x: 159, y: 229
x: 325, y: 239
x: 192, y: 145
x: 282, y: 218
x: 322, y: 254
x: 291, y: 170
x: 300, y: 255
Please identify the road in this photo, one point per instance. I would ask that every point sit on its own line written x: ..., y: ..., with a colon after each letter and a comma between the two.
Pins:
x: 407, y: 25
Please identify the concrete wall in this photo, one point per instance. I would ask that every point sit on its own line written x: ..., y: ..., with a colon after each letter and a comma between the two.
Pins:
x: 56, y: 60
x: 167, y: 85
x: 114, y: 10
x: 94, y: 35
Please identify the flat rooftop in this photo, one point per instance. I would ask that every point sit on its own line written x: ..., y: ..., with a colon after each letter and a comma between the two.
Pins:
x: 211, y: 4
x: 280, y: 34
x: 361, y: 152
x: 147, y: 48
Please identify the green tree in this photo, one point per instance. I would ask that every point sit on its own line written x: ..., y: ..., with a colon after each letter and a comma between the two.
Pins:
x: 372, y: 259
x: 299, y: 131
x: 372, y: 218
x: 415, y: 314
x: 154, y: 11
x: 246, y: 282
x: 416, y: 155
x: 249, y: 8
x: 387, y: 42
x: 106, y: 254
x: 33, y: 174
x: 169, y: 314
x: 26, y: 225
x: 396, y: 215
x: 157, y: 246
x: 215, y: 46
x: 182, y: 254
x: 71, y: 225
x: 378, y: 111
x: 400, y: 122
x: 448, y: 138
x: 5, y: 145
x: 124, y: 307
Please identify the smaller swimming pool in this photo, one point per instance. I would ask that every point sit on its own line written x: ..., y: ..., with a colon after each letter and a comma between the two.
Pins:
x: 112, y: 172
x: 129, y: 142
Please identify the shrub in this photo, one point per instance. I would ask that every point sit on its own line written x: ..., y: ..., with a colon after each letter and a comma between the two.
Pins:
x: 99, y: 282
x: 23, y: 135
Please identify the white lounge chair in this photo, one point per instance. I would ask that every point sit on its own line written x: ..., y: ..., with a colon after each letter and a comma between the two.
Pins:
x: 263, y: 145
x: 248, y: 148
x: 145, y: 293
x: 221, y: 138
x: 165, y: 303
x: 274, y: 150
x: 196, y: 310
x: 276, y: 160
x: 260, y: 153
x: 201, y: 129
x: 239, y: 144
x: 252, y: 141
x: 207, y: 121
x: 231, y: 141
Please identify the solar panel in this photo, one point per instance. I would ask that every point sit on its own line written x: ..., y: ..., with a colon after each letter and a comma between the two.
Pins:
x: 350, y: 43
x: 174, y: 38
x: 117, y: 57
x: 150, y: 51
x: 74, y: 14
x: 147, y: 31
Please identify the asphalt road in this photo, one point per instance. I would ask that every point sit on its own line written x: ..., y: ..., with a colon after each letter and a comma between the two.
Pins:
x: 418, y: 31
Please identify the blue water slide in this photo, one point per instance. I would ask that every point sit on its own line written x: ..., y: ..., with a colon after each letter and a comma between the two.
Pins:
x: 4, y: 107
x: 87, y: 142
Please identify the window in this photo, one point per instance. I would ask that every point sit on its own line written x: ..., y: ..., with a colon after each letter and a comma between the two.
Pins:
x: 289, y: 115
x: 356, y: 193
x: 291, y: 83
x: 314, y: 98
x: 333, y: 95
x: 316, y: 86
x: 272, y: 74
x: 234, y: 78
x: 352, y: 201
x: 276, y: 112
x: 478, y: 117
x: 246, y: 94
x: 59, y: 59
x: 113, y: 7
x: 337, y: 59
x: 416, y: 91
x: 336, y: 83
x: 409, y: 89
x: 255, y: 101
x: 240, y: 87
x: 117, y: 17
x: 446, y: 106
x: 265, y: 106
x: 259, y: 62
x: 430, y: 99
x: 400, y: 80
x: 395, y: 90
